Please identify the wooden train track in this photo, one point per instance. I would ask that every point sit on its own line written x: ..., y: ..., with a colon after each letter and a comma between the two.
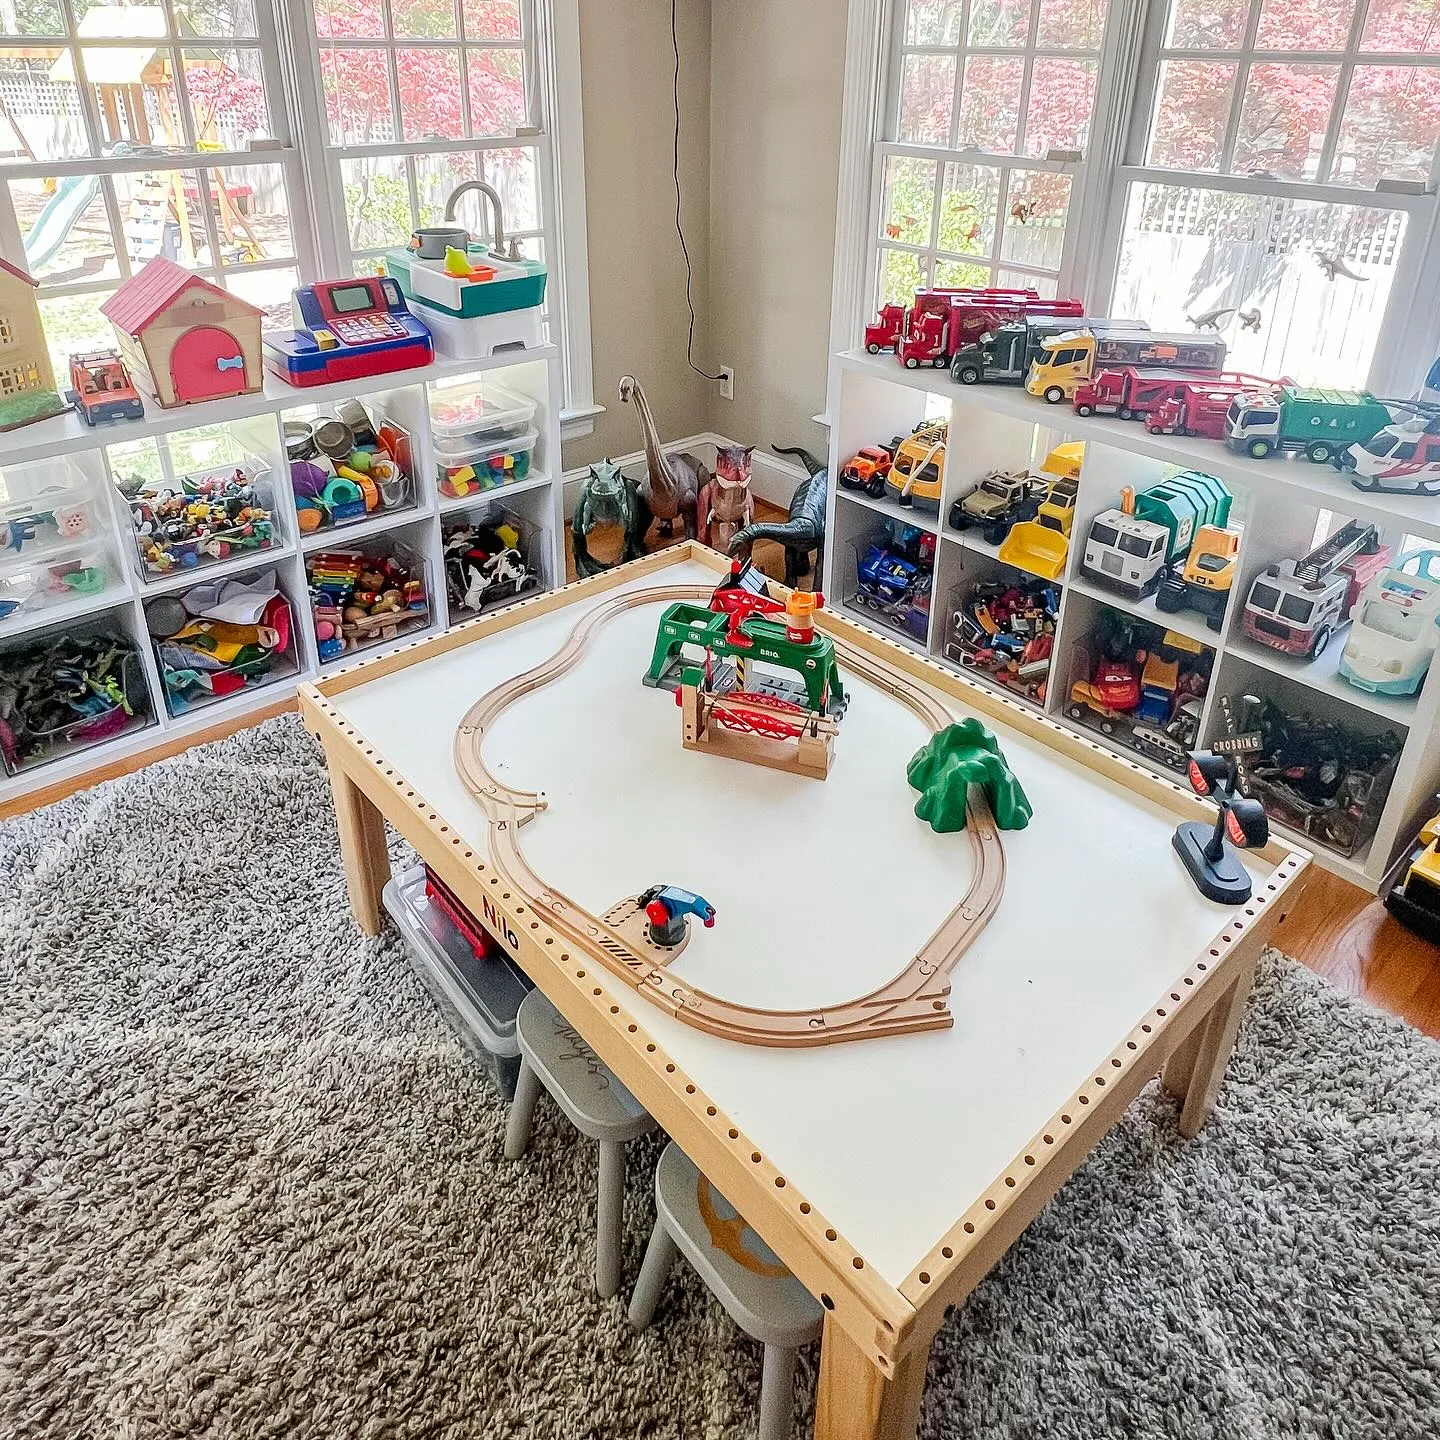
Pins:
x: 916, y: 999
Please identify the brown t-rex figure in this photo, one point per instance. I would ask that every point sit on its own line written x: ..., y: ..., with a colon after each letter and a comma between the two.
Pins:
x: 672, y: 485
x: 726, y: 504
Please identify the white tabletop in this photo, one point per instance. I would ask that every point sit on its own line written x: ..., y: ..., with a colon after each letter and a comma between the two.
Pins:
x: 823, y: 891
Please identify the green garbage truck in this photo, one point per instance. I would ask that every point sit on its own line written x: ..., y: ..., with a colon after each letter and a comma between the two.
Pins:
x: 1323, y: 423
x: 1131, y: 548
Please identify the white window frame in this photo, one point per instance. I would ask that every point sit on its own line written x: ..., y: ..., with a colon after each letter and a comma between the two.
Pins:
x: 300, y: 146
x: 1128, y: 73
x: 550, y: 39
x: 277, y: 149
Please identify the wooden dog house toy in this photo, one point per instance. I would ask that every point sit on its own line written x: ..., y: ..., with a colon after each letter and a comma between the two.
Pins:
x: 184, y: 339
x: 27, y: 382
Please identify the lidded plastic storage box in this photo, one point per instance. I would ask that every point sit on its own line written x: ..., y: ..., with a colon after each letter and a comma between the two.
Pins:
x: 478, y: 998
x: 465, y: 417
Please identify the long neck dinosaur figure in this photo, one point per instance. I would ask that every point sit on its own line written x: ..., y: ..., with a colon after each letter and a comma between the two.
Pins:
x: 672, y: 483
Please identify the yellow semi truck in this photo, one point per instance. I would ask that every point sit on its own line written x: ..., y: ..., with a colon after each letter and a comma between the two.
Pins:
x: 1067, y: 361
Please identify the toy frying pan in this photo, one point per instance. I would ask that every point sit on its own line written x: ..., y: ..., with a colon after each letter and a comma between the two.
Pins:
x: 165, y: 616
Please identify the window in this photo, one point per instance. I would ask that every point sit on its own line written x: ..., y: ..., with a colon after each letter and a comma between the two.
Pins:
x: 421, y: 96
x: 1261, y: 169
x: 173, y: 127
x: 131, y: 131
x: 991, y: 99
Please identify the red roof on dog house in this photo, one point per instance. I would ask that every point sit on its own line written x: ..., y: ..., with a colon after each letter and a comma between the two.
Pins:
x: 185, y: 339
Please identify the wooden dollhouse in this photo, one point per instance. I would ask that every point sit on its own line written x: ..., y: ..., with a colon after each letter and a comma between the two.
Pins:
x: 27, y: 383
x: 185, y: 339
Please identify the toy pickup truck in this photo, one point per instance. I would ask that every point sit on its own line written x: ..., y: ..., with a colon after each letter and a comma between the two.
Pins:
x: 101, y: 388
x: 867, y: 468
x: 998, y: 502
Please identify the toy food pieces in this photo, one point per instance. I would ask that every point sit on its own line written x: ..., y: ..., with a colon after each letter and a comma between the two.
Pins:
x: 357, y: 598
x: 484, y: 566
x: 483, y: 439
x: 343, y: 467
x: 211, y: 516
x: 216, y: 638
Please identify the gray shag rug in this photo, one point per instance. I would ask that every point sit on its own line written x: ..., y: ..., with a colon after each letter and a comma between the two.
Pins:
x: 251, y: 1186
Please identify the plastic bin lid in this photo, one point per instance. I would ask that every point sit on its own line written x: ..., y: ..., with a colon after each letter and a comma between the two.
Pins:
x: 489, y: 450
x: 468, y: 410
x: 494, y: 987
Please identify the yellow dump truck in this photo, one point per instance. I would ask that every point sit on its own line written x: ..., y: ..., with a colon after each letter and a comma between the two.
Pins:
x: 1040, y: 546
x: 1415, y: 901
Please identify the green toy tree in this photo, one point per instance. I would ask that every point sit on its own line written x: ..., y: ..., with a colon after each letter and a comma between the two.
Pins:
x: 959, y: 756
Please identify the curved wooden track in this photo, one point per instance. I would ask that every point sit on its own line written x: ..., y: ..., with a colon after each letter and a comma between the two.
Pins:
x: 914, y: 1000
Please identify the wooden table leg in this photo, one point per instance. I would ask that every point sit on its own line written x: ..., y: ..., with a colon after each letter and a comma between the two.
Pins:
x: 854, y: 1401
x: 1194, y: 1072
x: 362, y: 849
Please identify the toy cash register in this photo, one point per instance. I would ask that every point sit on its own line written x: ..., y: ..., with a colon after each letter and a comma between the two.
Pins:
x: 346, y: 329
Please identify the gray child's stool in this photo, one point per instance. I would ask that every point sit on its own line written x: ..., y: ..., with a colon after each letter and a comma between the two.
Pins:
x: 760, y: 1295
x: 596, y: 1104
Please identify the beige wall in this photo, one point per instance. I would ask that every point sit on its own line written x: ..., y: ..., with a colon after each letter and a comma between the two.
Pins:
x: 775, y: 90
x: 637, y: 273
x: 760, y: 138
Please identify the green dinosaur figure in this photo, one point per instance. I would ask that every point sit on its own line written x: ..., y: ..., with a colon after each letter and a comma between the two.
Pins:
x: 607, y: 498
x: 958, y: 757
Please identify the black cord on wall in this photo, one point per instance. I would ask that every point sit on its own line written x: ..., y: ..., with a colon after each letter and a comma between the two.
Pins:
x: 679, y: 228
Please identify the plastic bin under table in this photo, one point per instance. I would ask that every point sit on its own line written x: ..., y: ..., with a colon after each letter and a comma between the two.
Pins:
x: 479, y: 998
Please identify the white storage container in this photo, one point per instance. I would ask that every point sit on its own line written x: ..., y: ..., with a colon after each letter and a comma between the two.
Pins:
x: 463, y: 417
x: 489, y: 466
x: 479, y: 998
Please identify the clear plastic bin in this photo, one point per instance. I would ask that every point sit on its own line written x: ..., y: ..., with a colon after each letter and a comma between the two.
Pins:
x: 465, y: 416
x: 478, y: 998
x: 478, y: 589
x: 27, y: 584
x: 487, y: 467
x: 336, y: 581
x: 37, y: 725
x: 194, y: 680
x: 50, y: 481
x: 168, y: 543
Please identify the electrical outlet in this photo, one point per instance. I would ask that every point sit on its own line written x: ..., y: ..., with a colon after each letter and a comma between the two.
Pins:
x: 727, y: 382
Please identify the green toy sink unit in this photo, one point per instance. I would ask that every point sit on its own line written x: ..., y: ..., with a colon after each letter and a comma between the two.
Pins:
x: 516, y: 285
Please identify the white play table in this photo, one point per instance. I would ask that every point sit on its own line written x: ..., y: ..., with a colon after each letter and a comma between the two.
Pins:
x: 889, y: 1173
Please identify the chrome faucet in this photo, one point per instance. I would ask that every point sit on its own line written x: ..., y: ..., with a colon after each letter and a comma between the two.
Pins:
x: 499, y: 251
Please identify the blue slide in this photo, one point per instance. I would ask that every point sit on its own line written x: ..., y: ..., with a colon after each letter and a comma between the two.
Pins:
x: 62, y: 210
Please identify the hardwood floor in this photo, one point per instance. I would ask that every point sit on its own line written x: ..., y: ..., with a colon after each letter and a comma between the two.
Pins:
x: 1340, y: 932
x: 1347, y: 936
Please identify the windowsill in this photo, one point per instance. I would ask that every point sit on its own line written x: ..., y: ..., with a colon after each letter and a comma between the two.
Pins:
x: 577, y: 421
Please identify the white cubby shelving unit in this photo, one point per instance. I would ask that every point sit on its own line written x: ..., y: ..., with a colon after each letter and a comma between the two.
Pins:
x: 88, y: 463
x: 1281, y: 505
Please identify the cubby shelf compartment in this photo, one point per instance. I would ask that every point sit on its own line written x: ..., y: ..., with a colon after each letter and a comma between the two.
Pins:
x: 535, y: 480
x: 1183, y: 622
x: 67, y: 442
x: 1279, y: 505
x: 894, y: 510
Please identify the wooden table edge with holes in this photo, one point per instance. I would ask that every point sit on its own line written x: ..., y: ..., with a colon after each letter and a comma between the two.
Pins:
x: 876, y: 1335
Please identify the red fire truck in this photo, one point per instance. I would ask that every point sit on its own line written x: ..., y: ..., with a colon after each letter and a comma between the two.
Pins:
x: 1197, y: 406
x: 940, y: 321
